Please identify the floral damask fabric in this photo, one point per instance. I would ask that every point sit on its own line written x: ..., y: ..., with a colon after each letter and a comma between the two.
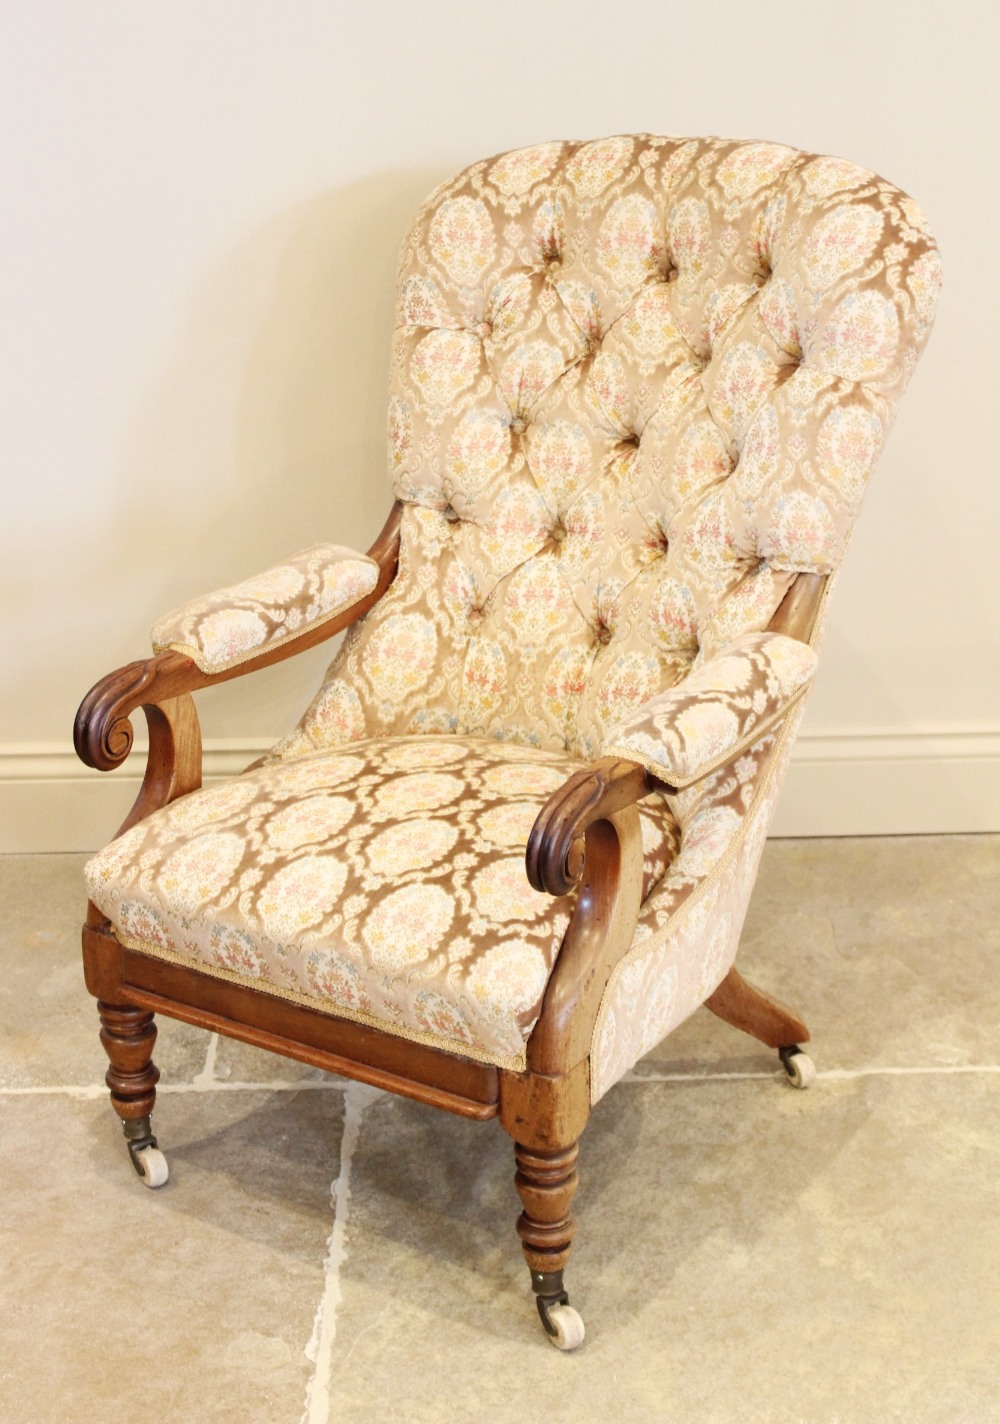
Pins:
x: 720, y: 708
x: 384, y: 882
x: 227, y: 627
x: 637, y: 385
x: 690, y: 926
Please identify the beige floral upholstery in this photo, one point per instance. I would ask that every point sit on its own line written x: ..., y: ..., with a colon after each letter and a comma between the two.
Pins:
x: 638, y: 385
x: 690, y: 925
x: 225, y: 628
x: 384, y: 882
x: 718, y: 711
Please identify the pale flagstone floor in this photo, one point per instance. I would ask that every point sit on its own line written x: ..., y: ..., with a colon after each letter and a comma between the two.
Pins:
x: 745, y: 1253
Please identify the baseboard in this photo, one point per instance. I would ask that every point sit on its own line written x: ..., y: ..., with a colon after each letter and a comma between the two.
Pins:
x: 888, y: 781
x: 50, y: 801
x: 852, y: 781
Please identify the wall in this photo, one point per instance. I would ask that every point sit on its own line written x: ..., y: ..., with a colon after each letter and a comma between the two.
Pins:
x: 203, y: 203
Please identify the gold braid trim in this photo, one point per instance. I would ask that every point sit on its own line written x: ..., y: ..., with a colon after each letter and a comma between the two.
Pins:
x: 324, y: 1006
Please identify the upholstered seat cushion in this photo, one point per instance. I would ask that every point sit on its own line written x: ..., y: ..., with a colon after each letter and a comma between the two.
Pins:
x: 383, y: 881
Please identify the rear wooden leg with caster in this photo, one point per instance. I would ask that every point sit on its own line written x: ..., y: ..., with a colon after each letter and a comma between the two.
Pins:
x: 128, y: 1035
x: 798, y: 1066
x: 739, y: 1003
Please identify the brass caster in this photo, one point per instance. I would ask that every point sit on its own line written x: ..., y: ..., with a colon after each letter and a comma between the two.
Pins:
x: 147, y: 1159
x: 799, y: 1067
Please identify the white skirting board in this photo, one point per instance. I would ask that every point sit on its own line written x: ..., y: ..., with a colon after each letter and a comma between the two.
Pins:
x: 849, y: 781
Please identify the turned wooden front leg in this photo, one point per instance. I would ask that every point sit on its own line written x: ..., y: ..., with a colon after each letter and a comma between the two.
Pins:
x: 546, y: 1117
x: 128, y: 1035
x: 546, y: 1183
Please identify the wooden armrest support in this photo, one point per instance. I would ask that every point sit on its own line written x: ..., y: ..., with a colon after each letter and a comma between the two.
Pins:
x: 599, y: 934
x: 587, y: 834
x: 797, y: 612
x: 555, y: 853
x: 103, y: 735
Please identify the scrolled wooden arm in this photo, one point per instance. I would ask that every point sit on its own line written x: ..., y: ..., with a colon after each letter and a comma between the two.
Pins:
x: 555, y: 853
x: 103, y: 735
x: 102, y: 732
x: 587, y: 836
x: 600, y: 932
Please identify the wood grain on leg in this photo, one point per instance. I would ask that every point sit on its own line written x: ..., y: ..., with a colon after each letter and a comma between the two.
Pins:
x: 747, y: 1008
x: 546, y: 1117
x: 546, y: 1183
x: 128, y: 1035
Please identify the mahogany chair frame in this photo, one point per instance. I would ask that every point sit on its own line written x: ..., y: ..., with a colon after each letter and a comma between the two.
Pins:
x: 586, y: 836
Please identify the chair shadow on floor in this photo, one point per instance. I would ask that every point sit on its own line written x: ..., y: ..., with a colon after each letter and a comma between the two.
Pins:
x: 665, y: 1167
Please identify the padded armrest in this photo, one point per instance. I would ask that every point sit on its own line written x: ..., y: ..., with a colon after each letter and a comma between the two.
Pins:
x: 718, y: 711
x: 225, y: 628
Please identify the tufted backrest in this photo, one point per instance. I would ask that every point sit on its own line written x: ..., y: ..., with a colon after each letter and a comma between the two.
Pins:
x: 637, y: 385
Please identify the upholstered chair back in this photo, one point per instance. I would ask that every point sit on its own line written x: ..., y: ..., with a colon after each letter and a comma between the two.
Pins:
x: 637, y: 386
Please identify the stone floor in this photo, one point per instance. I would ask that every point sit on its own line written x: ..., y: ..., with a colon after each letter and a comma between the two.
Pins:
x: 745, y: 1254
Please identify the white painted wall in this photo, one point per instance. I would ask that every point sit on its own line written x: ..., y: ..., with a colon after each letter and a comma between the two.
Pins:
x: 202, y: 204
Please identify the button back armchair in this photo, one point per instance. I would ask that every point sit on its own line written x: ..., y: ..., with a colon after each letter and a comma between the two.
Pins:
x: 637, y: 388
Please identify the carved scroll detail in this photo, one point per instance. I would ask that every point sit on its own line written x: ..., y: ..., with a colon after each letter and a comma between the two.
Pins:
x: 102, y: 734
x: 555, y: 853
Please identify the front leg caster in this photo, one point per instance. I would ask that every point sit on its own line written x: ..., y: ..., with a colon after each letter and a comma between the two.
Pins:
x: 546, y: 1182
x: 147, y: 1159
x: 799, y: 1067
x: 563, y: 1325
x: 128, y: 1035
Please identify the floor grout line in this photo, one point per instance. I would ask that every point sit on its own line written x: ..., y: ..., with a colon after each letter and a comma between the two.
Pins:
x: 97, y: 1090
x: 827, y: 1075
x: 277, y: 1085
x: 320, y: 1347
x: 207, y: 1074
x: 203, y: 1084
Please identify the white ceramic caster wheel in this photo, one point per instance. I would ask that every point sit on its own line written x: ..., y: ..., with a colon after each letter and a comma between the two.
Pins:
x: 800, y: 1068
x: 152, y: 1166
x: 567, y: 1324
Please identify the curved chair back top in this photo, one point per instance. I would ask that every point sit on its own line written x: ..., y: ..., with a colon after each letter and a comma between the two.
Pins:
x: 637, y: 385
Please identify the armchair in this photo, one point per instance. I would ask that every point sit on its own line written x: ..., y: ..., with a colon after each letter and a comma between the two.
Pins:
x: 638, y: 386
